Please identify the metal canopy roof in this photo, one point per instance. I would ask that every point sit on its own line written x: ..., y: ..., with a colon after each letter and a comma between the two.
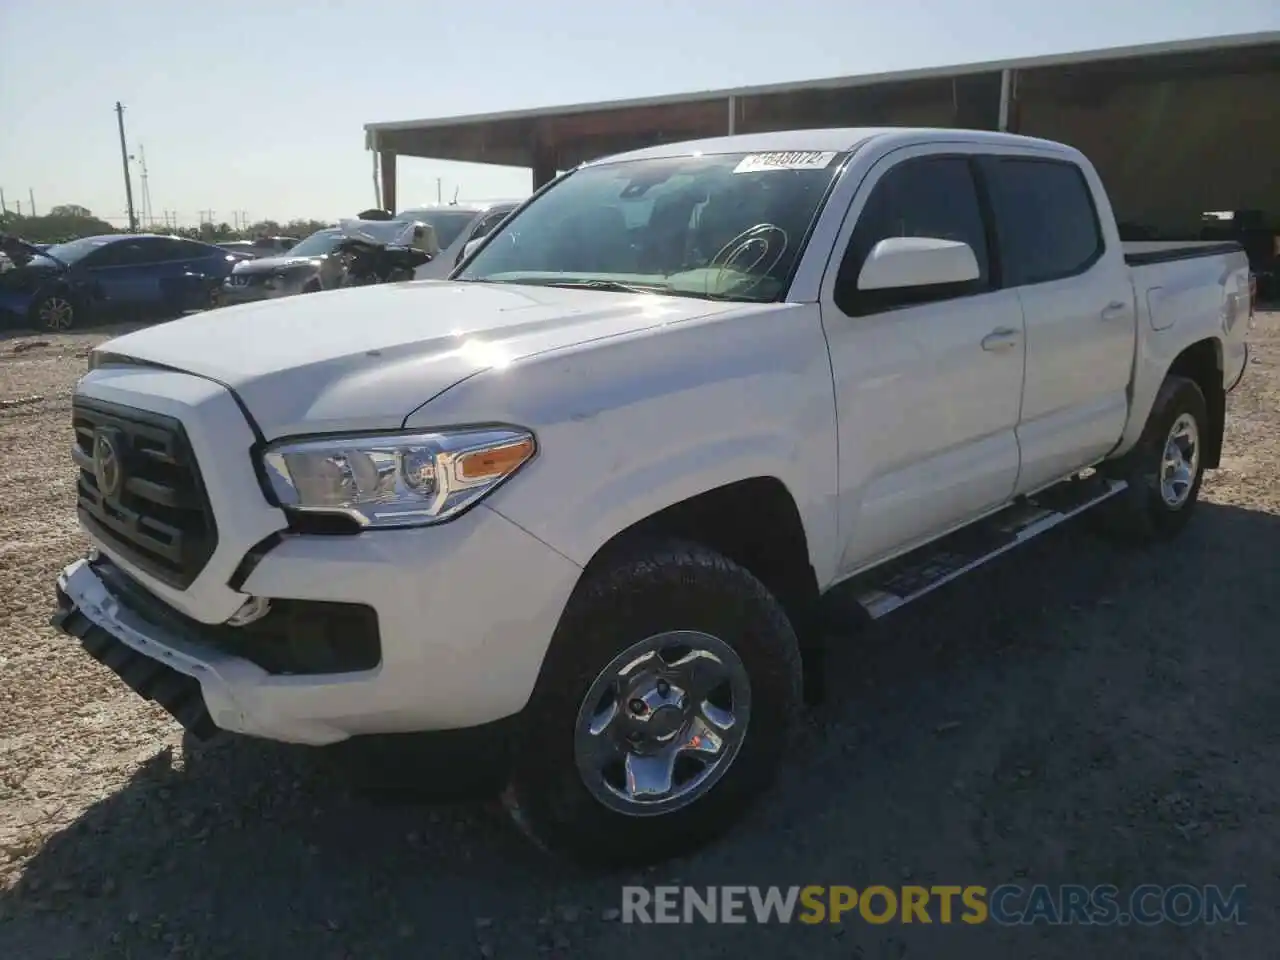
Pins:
x: 593, y: 129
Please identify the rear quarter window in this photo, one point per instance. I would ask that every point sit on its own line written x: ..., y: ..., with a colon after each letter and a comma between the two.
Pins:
x: 1046, y: 219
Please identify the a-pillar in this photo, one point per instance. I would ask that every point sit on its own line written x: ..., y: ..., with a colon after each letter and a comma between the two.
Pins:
x: 544, y: 163
x: 387, y: 163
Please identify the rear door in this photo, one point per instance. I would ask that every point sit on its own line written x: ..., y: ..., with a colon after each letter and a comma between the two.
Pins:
x: 189, y: 272
x: 1059, y: 251
x: 926, y: 397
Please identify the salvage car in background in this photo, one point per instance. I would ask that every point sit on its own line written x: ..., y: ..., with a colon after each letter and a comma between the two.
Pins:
x: 115, y: 276
x: 354, y: 253
x: 309, y: 267
x: 456, y: 225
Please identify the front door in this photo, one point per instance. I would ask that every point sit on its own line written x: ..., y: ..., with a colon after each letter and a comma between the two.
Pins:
x: 927, y: 399
x: 124, y: 277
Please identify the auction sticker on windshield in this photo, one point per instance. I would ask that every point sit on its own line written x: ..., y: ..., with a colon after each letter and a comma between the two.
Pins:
x: 791, y: 160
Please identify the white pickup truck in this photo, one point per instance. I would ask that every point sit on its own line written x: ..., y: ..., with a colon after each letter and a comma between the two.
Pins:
x: 592, y: 495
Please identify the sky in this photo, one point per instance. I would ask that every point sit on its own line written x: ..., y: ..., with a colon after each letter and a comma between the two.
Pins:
x: 259, y: 107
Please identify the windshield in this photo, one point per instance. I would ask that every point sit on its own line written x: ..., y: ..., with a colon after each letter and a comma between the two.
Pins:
x: 448, y: 224
x: 319, y: 244
x: 729, y: 226
x: 76, y: 249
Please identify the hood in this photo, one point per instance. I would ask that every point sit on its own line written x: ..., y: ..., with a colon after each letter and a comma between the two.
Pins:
x: 270, y: 264
x: 365, y: 358
x: 23, y: 253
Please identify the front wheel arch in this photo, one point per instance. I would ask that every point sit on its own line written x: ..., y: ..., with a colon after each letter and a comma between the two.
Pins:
x: 756, y: 523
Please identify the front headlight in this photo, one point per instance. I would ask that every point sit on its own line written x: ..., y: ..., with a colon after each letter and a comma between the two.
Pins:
x: 396, y: 480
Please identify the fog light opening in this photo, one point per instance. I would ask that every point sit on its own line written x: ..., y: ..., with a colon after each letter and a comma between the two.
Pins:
x: 255, y: 608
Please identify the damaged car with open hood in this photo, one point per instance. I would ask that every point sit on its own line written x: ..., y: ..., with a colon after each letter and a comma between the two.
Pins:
x: 354, y: 253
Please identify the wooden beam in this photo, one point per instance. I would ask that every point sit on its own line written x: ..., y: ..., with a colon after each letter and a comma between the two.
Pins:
x: 686, y: 118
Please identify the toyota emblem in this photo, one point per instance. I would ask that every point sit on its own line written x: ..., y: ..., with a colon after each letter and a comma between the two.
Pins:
x: 107, y: 468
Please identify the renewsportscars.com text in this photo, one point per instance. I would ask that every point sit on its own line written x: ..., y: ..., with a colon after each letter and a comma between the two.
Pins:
x: 1007, y: 905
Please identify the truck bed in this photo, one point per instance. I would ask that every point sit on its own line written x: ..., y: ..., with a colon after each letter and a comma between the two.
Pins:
x: 1143, y: 252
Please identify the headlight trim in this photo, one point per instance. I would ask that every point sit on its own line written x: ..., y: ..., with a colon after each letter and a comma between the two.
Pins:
x: 364, y: 477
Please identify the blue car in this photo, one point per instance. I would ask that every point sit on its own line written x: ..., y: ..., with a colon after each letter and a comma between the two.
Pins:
x: 121, y: 276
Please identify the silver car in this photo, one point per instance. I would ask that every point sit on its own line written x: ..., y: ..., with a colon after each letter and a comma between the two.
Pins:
x: 308, y: 267
x: 456, y: 225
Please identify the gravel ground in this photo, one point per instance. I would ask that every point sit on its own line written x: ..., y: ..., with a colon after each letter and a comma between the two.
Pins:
x: 1082, y: 714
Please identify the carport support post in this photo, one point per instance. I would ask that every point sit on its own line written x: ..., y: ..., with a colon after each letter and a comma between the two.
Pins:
x: 544, y: 163
x: 387, y: 160
x: 1008, y: 121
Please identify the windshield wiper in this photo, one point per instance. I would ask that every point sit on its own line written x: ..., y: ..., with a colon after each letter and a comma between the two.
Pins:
x: 615, y: 286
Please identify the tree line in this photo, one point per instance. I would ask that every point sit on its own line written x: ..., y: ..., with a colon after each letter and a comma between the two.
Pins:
x: 69, y: 221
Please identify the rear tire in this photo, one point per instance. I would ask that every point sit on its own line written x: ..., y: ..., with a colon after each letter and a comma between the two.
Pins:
x: 664, y: 707
x: 1164, y: 470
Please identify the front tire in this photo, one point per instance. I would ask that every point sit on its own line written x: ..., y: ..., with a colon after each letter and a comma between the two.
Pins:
x: 664, y: 707
x: 1164, y: 470
x: 54, y: 313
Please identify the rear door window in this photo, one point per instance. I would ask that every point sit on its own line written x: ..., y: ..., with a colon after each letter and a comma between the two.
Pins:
x: 121, y: 253
x: 1045, y: 218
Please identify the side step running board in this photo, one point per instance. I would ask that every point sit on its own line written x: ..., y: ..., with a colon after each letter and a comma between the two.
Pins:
x: 898, y: 582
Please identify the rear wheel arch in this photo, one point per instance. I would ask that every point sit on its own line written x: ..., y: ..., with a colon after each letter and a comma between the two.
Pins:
x: 1202, y: 363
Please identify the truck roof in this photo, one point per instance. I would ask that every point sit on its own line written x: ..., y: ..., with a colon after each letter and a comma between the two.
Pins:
x: 826, y: 139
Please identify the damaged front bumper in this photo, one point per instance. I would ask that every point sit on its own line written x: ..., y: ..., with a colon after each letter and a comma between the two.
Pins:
x: 204, y: 688
x: 162, y: 674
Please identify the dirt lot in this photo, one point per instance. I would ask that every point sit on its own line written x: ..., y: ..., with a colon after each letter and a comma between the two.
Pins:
x: 1079, y: 714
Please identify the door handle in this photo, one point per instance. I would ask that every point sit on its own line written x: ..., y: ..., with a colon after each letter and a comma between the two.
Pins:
x: 1000, y: 340
x: 1115, y: 310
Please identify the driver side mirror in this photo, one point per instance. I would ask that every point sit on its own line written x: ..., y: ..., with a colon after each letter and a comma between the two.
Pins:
x: 898, y: 262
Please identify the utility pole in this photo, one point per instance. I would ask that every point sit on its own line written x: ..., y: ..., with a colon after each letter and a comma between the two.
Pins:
x: 206, y: 216
x: 32, y: 194
x: 439, y: 189
x: 3, y: 208
x: 124, y: 160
